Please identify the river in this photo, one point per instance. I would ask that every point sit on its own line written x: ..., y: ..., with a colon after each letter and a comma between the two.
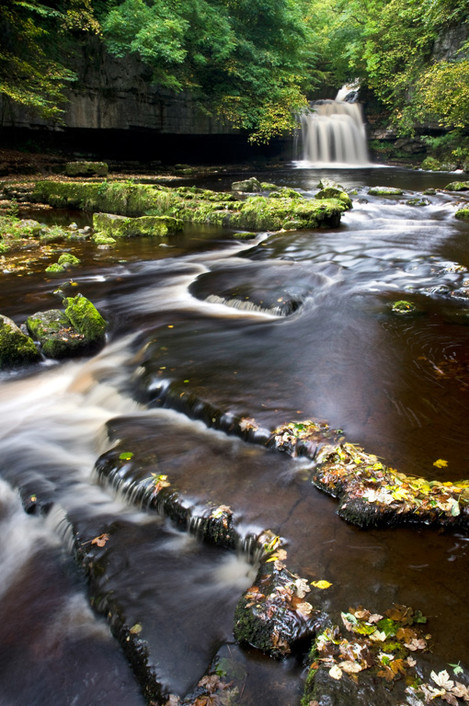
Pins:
x: 211, y: 313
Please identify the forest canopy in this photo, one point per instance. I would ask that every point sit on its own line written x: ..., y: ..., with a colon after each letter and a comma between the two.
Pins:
x: 255, y: 63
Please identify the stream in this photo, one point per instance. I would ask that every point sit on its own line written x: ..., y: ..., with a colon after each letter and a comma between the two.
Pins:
x: 214, y: 314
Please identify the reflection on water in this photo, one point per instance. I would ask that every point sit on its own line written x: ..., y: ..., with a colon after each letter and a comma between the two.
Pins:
x: 286, y: 327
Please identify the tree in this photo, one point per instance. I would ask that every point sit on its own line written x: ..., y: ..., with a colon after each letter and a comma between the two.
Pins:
x: 249, y: 61
x: 33, y: 37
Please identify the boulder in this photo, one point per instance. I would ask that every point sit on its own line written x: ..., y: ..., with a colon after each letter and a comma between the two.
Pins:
x: 55, y: 334
x: 462, y: 214
x: 16, y: 348
x: 86, y: 319
x: 457, y: 186
x: 248, y: 186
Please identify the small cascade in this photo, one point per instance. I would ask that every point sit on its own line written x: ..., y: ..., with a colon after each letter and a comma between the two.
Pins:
x: 333, y: 132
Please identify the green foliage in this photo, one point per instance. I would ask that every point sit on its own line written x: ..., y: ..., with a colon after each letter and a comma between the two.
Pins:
x: 32, y: 69
x: 246, y: 60
x: 392, y: 48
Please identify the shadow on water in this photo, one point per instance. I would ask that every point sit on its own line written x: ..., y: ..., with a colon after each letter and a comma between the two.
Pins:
x: 290, y: 326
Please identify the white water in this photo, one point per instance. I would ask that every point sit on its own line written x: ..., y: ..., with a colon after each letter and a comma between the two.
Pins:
x: 333, y: 132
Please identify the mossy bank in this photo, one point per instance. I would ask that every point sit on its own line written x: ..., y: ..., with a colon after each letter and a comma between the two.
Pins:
x: 194, y: 205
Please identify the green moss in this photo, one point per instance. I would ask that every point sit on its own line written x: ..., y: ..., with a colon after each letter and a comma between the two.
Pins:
x: 101, y: 239
x: 385, y: 191
x: 85, y: 318
x: 86, y: 169
x: 15, y: 347
x: 123, y: 227
x: 462, y: 214
x: 68, y: 259
x: 55, y: 268
x: 55, y: 333
x: 431, y: 164
x: 403, y: 307
x: 190, y: 204
x: 458, y: 186
x: 334, y: 193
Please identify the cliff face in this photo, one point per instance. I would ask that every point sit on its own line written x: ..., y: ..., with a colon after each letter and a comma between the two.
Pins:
x: 117, y: 94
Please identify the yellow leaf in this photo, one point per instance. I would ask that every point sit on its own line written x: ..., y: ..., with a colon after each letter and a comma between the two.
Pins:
x: 440, y: 463
x: 321, y: 584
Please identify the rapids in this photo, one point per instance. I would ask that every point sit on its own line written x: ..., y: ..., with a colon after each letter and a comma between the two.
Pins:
x: 280, y: 328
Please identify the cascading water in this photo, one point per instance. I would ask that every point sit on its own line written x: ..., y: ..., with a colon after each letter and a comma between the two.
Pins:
x: 333, y: 131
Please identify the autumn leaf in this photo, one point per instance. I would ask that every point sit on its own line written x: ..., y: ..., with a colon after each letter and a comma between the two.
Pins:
x: 440, y: 463
x: 350, y: 667
x: 301, y: 587
x: 321, y: 584
x: 442, y: 679
x: 335, y: 672
x: 101, y: 540
x: 135, y: 629
x: 304, y: 608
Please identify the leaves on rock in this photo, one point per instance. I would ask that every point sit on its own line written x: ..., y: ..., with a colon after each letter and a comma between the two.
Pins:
x: 101, y: 540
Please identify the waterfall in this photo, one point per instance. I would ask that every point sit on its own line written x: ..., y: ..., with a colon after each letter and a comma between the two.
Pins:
x: 333, y: 131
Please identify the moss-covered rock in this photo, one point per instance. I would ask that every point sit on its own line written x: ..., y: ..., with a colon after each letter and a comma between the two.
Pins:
x: 457, y: 186
x: 431, y: 164
x: 114, y: 226
x: 193, y: 205
x: 416, y: 201
x: 86, y: 169
x: 462, y: 214
x: 250, y: 186
x: 331, y: 192
x: 104, y: 240
x: 57, y: 337
x: 385, y: 191
x: 85, y: 318
x: 263, y: 213
x: 403, y: 307
x: 16, y: 348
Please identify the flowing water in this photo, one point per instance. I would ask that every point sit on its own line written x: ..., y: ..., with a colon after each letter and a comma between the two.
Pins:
x: 215, y: 316
x: 333, y: 131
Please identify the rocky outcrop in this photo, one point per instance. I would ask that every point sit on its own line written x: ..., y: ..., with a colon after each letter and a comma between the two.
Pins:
x: 118, y: 94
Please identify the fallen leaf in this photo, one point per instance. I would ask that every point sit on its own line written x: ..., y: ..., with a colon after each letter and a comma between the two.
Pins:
x: 304, y: 608
x: 461, y: 691
x: 126, y: 456
x: 321, y: 584
x: 350, y: 667
x: 457, y: 669
x: 440, y: 463
x: 101, y: 540
x: 335, y: 672
x: 135, y: 629
x: 301, y: 587
x: 442, y: 679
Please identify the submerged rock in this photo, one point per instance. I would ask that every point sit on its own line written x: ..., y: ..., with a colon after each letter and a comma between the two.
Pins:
x: 16, y: 348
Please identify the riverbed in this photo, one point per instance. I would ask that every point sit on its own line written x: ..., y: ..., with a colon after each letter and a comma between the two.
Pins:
x: 213, y: 314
